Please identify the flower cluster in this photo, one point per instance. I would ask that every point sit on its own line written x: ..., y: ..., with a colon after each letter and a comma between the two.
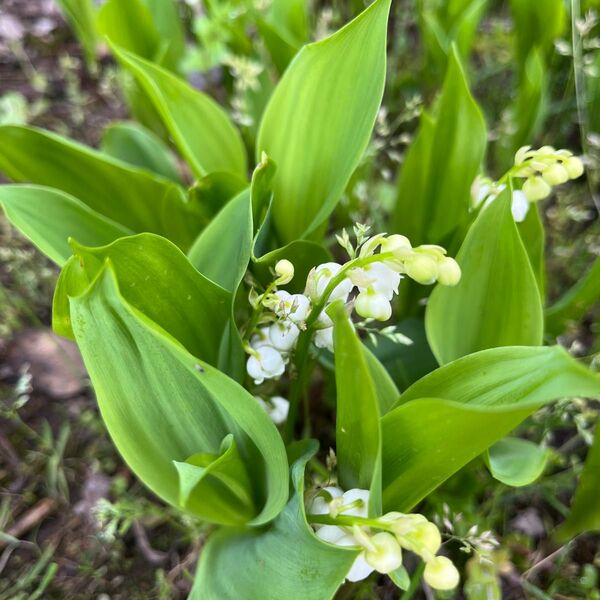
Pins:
x: 544, y: 168
x: 342, y: 518
x: 373, y: 274
x: 541, y: 169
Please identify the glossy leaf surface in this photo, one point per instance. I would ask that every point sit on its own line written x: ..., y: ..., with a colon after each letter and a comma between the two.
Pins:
x: 200, y: 128
x: 319, y: 120
x: 466, y: 406
x: 48, y: 217
x: 497, y: 301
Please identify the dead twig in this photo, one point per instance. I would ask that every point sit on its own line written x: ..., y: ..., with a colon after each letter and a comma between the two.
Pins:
x: 38, y: 513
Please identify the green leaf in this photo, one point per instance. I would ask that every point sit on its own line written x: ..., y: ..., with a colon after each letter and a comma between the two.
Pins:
x: 497, y: 302
x: 516, y: 462
x: 131, y: 26
x: 405, y: 363
x: 134, y: 198
x: 161, y: 404
x: 170, y: 29
x: 82, y: 18
x: 285, y: 561
x: 534, y: 239
x: 387, y: 392
x: 222, y: 251
x: 316, y: 142
x: 48, y: 217
x: 466, y: 406
x: 358, y: 435
x: 585, y: 510
x: 213, y: 191
x: 400, y: 578
x: 575, y: 302
x: 223, y: 476
x: 291, y: 19
x: 134, y: 144
x: 157, y: 280
x: 433, y: 195
x: 200, y: 128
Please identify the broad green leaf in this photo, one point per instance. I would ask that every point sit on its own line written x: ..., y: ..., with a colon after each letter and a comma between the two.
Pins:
x: 537, y: 24
x: 200, y: 128
x: 291, y: 19
x: 134, y: 144
x: 223, y: 476
x: 585, y: 510
x: 320, y: 118
x: 531, y: 103
x: 576, y: 302
x: 285, y: 561
x: 491, y: 377
x: 463, y: 408
x: 48, y: 217
x: 358, y: 435
x: 387, y: 392
x: 212, y: 192
x: 170, y: 28
x: 281, y: 50
x: 406, y: 363
x: 534, y: 239
x: 132, y: 197
x: 162, y: 404
x: 433, y: 195
x: 82, y: 18
x: 131, y: 26
x: 157, y: 280
x: 222, y: 251
x: 497, y: 302
x: 516, y: 462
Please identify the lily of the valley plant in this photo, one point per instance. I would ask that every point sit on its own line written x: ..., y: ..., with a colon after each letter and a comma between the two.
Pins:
x: 221, y: 323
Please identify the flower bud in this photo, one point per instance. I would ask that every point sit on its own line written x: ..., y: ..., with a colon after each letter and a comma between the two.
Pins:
x: 555, y: 174
x: 521, y: 154
x: 285, y: 271
x: 535, y: 188
x: 574, y: 167
x: 424, y: 539
x: 373, y: 305
x: 395, y: 242
x: 384, y: 553
x: 448, y: 272
x: 441, y: 574
x: 422, y: 268
x: 283, y: 335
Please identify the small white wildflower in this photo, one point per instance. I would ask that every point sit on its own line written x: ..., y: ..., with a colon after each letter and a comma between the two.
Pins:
x: 265, y: 363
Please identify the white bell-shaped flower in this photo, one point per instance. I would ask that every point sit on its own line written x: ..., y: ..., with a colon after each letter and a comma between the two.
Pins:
x: 378, y: 277
x: 441, y: 574
x: 283, y: 335
x: 320, y: 504
x: 360, y: 568
x: 295, y: 307
x: 383, y: 552
x: 276, y: 407
x: 319, y: 278
x: 324, y: 338
x: 373, y: 305
x: 265, y: 363
x: 519, y: 206
x: 360, y: 499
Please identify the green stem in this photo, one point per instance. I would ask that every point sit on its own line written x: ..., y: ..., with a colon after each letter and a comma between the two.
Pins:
x: 415, y: 580
x: 298, y: 386
x: 348, y: 521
